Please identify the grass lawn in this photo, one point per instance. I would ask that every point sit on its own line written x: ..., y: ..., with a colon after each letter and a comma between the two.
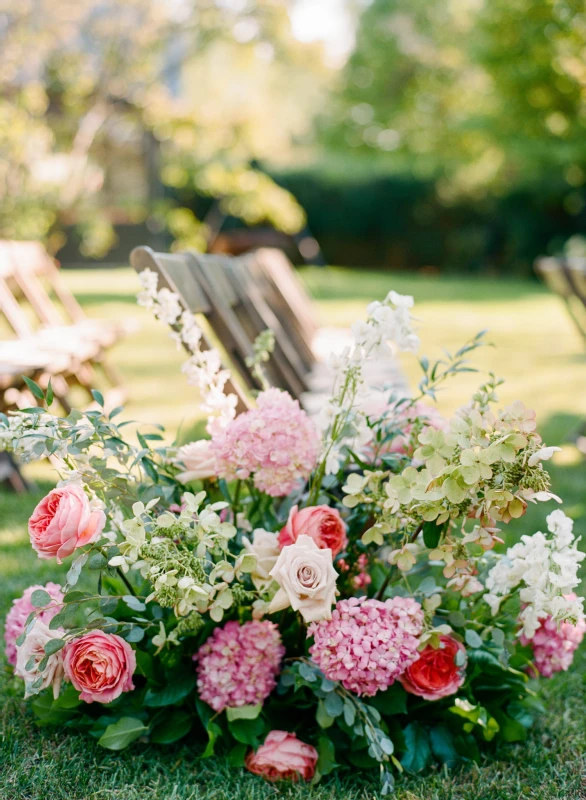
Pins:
x: 543, y: 360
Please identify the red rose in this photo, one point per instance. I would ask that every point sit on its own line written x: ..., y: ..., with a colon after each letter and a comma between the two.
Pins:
x: 435, y: 674
x: 283, y: 757
x: 321, y: 523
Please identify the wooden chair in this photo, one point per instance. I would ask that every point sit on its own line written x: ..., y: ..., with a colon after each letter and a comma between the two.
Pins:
x: 178, y: 272
x: 28, y: 272
x: 567, y: 278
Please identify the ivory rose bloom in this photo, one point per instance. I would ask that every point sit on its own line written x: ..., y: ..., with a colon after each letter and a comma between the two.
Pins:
x: 198, y: 460
x: 33, y: 650
x: 321, y: 523
x: 283, y: 757
x: 20, y: 611
x: 307, y: 580
x: 63, y: 521
x: 435, y: 674
x: 265, y: 548
x: 100, y: 666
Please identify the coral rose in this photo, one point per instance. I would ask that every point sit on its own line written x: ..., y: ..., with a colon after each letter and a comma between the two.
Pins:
x: 321, y: 523
x: 100, y: 666
x: 283, y: 757
x: 64, y: 521
x: 435, y: 674
x: 198, y: 459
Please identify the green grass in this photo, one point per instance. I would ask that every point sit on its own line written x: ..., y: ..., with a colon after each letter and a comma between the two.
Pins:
x: 543, y: 360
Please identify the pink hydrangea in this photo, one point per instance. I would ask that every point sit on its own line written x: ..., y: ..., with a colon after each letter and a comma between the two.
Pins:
x: 238, y: 664
x: 276, y: 442
x: 368, y: 643
x: 19, y: 613
x: 554, y: 645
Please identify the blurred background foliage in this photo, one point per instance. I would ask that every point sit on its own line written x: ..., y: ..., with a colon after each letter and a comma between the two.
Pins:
x: 447, y: 135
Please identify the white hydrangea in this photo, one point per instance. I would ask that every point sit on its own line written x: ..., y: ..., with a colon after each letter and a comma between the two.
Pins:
x: 546, y: 568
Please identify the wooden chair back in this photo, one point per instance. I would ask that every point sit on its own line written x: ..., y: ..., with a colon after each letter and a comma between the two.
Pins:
x: 178, y: 273
x: 567, y: 278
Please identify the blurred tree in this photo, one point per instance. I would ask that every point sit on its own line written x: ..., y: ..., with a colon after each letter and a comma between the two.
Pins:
x: 479, y: 93
x: 102, y: 101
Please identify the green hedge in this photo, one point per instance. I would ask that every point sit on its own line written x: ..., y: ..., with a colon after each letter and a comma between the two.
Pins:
x: 400, y: 222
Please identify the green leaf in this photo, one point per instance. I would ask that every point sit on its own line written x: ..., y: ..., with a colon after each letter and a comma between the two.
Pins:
x: 442, y: 745
x: 247, y: 731
x: 122, y: 733
x: 135, y: 634
x: 174, y: 726
x: 97, y: 561
x: 237, y: 755
x: 53, y: 646
x: 145, y: 664
x: 98, y: 397
x: 510, y: 729
x: 432, y: 533
x: 392, y: 701
x: 334, y: 705
x: 175, y: 690
x: 134, y: 603
x: 456, y: 619
x: 417, y: 756
x: 40, y: 598
x: 36, y: 390
x: 150, y: 470
x: 243, y: 712
x: 322, y: 717
x: 50, y: 394
x: 473, y: 639
x: 326, y: 756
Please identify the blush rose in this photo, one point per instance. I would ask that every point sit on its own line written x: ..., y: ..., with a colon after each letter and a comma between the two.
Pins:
x: 199, y: 461
x: 321, y: 523
x: 100, y: 666
x: 307, y: 580
x: 435, y: 674
x: 64, y: 521
x: 283, y: 757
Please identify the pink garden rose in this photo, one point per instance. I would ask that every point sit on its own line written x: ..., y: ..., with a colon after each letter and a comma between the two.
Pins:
x: 64, y: 521
x: 321, y: 523
x: 100, y: 666
x: 20, y: 611
x: 283, y: 757
x: 199, y: 461
x: 435, y: 674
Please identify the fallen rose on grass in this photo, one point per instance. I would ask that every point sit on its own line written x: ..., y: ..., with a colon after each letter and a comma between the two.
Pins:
x: 283, y: 757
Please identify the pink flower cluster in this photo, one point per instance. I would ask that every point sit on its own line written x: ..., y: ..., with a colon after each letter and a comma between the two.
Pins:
x: 276, y: 442
x: 554, y: 645
x: 238, y: 664
x: 368, y: 643
x: 19, y: 613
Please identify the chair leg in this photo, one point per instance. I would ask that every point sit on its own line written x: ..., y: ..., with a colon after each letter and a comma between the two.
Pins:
x: 11, y: 476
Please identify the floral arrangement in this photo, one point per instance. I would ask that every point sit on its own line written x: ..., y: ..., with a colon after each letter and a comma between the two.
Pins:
x: 302, y: 595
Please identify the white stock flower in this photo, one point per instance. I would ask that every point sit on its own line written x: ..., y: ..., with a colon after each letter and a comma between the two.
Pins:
x: 307, y: 580
x: 29, y: 656
x: 265, y: 548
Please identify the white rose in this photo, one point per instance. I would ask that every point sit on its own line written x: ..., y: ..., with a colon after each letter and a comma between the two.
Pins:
x: 198, y: 460
x: 307, y: 580
x: 265, y: 548
x: 33, y: 649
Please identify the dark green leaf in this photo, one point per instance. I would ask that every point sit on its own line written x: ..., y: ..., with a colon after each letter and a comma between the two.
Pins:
x: 122, y: 733
x: 177, y: 689
x: 174, y: 726
x: 50, y: 395
x: 417, y: 756
x: 392, y: 701
x: 97, y: 561
x: 144, y: 664
x: 327, y: 756
x: 432, y: 534
x: 237, y: 755
x: 442, y: 745
x: 247, y: 731
x: 54, y: 645
x: 34, y: 387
